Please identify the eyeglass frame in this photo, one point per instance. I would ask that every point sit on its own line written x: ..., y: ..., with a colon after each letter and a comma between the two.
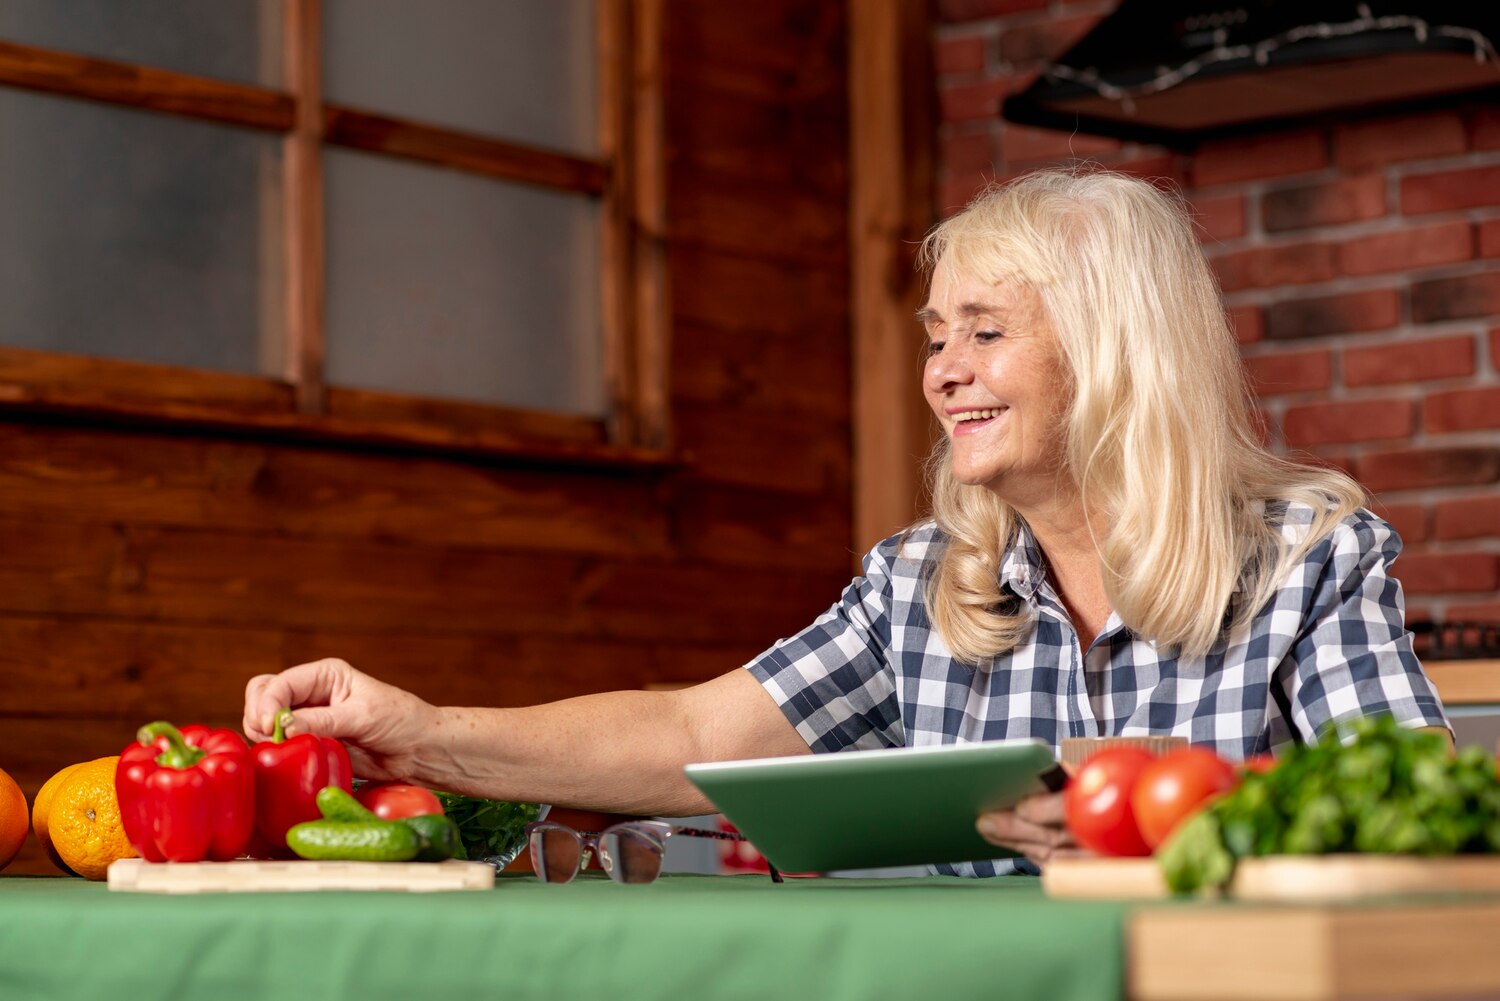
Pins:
x: 588, y: 841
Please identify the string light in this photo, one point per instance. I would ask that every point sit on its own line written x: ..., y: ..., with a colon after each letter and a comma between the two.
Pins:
x: 1484, y: 51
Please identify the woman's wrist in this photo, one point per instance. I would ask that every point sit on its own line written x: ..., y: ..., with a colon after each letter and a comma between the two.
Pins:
x: 457, y: 750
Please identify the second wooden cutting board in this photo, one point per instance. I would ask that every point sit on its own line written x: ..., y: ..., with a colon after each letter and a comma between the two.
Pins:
x: 1302, y: 878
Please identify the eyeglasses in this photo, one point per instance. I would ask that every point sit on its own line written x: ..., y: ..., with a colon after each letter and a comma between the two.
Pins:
x: 630, y: 852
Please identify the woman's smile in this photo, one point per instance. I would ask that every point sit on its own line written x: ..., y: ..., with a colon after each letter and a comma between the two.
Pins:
x: 974, y: 420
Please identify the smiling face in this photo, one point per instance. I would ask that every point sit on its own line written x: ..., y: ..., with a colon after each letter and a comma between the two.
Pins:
x: 996, y: 379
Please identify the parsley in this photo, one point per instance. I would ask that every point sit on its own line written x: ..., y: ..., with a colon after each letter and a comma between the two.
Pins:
x: 491, y: 830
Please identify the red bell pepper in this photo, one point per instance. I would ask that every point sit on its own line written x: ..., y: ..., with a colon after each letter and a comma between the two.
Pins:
x: 288, y: 774
x: 186, y: 795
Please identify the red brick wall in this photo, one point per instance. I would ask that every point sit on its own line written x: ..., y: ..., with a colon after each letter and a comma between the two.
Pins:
x: 1360, y: 263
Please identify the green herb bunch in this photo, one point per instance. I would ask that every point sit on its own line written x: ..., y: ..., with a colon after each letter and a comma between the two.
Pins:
x: 489, y: 829
x: 1388, y: 789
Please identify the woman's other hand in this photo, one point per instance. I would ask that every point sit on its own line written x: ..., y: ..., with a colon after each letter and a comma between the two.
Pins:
x: 383, y: 726
x: 1034, y: 827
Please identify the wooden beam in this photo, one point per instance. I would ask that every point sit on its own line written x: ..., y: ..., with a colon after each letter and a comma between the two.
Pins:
x: 31, y: 68
x: 891, y: 136
x: 303, y: 164
x: 446, y: 147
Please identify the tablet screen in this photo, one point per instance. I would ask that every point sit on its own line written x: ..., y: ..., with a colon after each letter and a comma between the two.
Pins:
x: 873, y: 809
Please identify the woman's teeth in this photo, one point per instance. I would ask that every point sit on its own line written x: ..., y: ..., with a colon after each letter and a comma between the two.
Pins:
x: 977, y: 415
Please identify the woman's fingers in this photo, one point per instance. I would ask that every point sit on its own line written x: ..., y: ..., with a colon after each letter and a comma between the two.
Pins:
x: 1046, y: 809
x: 1034, y: 827
x: 319, y: 683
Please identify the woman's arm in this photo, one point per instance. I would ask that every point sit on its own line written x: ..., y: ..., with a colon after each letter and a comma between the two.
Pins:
x: 622, y: 752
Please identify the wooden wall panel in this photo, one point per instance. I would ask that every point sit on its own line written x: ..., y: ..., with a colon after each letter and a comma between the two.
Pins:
x: 754, y: 371
x: 71, y: 474
x: 237, y: 580
x: 149, y: 574
x: 761, y: 298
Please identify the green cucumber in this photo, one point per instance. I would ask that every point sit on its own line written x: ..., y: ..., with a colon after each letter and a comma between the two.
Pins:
x: 355, y: 840
x: 337, y: 804
x: 439, y: 837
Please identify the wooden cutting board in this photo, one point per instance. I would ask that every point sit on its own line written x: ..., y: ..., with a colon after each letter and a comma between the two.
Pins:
x: 139, y: 876
x: 1299, y: 878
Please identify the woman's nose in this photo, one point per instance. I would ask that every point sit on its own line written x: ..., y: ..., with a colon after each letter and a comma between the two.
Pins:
x: 948, y: 368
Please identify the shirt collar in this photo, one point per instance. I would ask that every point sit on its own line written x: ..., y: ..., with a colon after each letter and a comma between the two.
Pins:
x: 1021, y: 569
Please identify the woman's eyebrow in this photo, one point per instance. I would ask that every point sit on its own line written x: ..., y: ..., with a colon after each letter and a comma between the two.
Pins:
x: 928, y: 316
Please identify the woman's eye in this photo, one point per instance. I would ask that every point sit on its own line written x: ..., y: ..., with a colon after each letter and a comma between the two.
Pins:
x: 934, y: 347
x: 986, y: 336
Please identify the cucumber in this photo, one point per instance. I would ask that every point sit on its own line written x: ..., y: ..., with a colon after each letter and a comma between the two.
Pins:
x: 336, y: 804
x: 439, y: 837
x: 355, y: 840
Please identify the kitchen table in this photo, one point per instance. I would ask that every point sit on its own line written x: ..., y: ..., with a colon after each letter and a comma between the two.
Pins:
x: 729, y: 937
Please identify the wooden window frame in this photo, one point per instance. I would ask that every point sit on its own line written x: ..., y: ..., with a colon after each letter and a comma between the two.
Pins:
x: 627, y: 177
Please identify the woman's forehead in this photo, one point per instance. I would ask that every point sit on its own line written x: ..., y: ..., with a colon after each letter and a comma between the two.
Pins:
x: 954, y: 293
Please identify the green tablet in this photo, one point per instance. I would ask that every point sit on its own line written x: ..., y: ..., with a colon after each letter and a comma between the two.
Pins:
x: 873, y: 809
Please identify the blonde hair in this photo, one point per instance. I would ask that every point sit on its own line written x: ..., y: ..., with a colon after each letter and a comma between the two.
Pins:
x: 1158, y: 437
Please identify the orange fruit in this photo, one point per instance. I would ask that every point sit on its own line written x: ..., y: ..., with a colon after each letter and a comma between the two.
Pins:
x: 12, y: 819
x: 83, y: 819
x: 40, y: 807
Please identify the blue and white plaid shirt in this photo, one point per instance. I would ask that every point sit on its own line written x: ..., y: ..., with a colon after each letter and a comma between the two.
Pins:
x: 1331, y: 643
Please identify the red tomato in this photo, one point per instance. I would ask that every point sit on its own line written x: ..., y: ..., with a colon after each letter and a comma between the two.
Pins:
x: 389, y: 800
x: 1097, y: 802
x: 1176, y: 785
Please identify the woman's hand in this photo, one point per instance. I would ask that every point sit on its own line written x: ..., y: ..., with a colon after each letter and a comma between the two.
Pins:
x: 383, y: 726
x: 1033, y: 827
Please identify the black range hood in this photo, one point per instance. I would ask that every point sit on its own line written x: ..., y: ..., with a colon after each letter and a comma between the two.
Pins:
x: 1176, y: 72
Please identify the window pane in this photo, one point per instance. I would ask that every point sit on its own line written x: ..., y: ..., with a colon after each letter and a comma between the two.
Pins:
x: 132, y: 235
x: 521, y: 70
x: 228, y: 39
x: 450, y: 285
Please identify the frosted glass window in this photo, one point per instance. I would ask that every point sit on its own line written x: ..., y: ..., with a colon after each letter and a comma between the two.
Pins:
x: 228, y: 39
x: 449, y: 285
x: 522, y: 70
x: 126, y: 234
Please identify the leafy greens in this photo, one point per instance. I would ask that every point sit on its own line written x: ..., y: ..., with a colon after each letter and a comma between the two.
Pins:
x: 1389, y: 790
x: 490, y: 829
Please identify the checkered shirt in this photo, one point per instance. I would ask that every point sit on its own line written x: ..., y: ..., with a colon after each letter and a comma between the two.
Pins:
x: 1331, y: 643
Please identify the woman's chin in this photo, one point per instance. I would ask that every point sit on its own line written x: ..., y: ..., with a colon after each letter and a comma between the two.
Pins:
x: 974, y: 477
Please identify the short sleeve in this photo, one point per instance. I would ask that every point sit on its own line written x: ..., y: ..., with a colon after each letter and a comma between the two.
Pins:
x: 834, y: 680
x: 1353, y: 656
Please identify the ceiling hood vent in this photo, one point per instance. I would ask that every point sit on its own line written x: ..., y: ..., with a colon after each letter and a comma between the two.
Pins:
x: 1176, y: 72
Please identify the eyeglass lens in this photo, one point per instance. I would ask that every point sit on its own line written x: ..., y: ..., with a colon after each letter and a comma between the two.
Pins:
x: 631, y: 854
x: 556, y: 854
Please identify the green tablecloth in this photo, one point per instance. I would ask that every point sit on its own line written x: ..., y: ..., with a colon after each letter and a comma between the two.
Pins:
x: 685, y: 937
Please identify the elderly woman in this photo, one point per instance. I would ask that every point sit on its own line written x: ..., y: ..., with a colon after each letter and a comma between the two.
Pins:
x: 1112, y: 551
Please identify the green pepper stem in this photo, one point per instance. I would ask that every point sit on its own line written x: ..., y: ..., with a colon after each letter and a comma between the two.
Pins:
x: 178, y: 754
x: 284, y: 719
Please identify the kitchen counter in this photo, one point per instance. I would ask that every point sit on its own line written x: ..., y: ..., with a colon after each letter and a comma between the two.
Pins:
x: 731, y: 937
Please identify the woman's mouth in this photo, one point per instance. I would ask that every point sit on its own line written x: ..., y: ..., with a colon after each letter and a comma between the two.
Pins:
x: 974, y: 421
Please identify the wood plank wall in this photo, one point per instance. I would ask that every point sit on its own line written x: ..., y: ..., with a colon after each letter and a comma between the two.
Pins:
x: 147, y: 574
